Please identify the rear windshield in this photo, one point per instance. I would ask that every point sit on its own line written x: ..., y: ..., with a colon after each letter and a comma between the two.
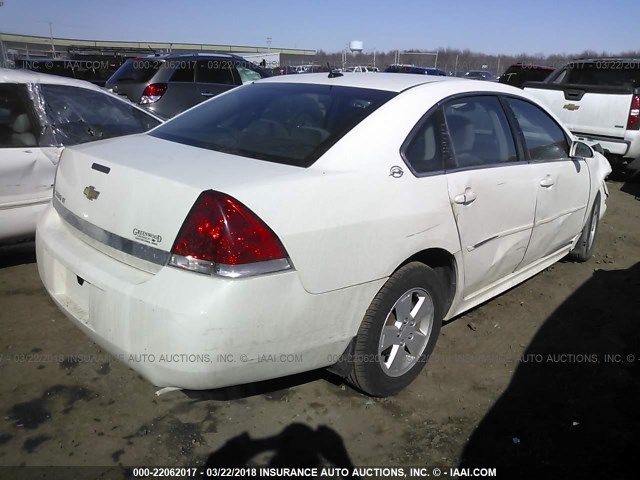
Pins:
x: 136, y: 71
x: 516, y: 75
x: 293, y: 124
x: 618, y: 73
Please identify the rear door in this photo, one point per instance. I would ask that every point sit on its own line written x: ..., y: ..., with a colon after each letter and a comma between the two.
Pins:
x: 215, y: 76
x: 562, y: 184
x: 182, y: 92
x: 490, y: 189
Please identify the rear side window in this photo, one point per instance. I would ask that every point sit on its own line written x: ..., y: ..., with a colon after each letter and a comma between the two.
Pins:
x: 184, y: 73
x: 216, y: 71
x: 618, y: 73
x: 293, y: 124
x: 136, y: 71
x: 80, y: 115
x: 517, y: 75
x: 544, y: 139
x: 423, y: 153
x: 479, y: 132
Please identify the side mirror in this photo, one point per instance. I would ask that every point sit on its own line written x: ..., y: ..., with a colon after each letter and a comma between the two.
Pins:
x: 580, y: 150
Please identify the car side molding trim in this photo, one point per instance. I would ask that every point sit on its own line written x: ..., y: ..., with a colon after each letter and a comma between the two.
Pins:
x: 145, y: 252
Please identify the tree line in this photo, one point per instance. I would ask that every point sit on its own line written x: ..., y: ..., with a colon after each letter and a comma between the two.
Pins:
x: 449, y: 59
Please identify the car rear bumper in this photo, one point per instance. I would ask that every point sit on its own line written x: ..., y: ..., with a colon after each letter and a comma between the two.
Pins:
x: 181, y: 329
x: 627, y: 147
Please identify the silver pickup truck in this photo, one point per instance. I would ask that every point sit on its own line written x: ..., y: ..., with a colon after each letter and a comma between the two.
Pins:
x: 599, y: 100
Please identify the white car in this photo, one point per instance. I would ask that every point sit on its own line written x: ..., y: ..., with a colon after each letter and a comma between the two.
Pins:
x: 39, y: 115
x: 309, y: 221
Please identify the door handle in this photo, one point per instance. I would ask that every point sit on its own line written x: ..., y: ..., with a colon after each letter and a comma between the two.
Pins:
x: 547, y: 182
x: 207, y: 94
x: 466, y: 198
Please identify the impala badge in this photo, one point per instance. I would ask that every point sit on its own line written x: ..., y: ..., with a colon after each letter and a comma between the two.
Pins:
x: 572, y: 107
x: 91, y: 193
x: 396, y: 172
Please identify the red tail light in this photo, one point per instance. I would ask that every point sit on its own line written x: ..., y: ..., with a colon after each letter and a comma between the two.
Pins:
x: 221, y: 236
x: 153, y: 92
x: 634, y: 114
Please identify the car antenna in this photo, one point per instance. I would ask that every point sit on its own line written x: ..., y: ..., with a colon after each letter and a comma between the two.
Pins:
x: 333, y: 73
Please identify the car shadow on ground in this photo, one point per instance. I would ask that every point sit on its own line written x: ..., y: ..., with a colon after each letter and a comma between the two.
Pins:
x: 18, y: 254
x: 572, y: 401
x: 275, y: 388
x: 297, y: 446
x: 632, y: 188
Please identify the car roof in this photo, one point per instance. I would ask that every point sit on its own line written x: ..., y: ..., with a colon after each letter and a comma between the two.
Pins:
x: 28, y: 76
x: 392, y: 82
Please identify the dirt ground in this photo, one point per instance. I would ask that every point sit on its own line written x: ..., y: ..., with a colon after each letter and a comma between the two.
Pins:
x: 544, y: 376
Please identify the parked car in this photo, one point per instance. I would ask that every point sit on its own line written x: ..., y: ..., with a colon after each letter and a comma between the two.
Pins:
x: 599, y: 100
x: 39, y: 115
x: 94, y: 71
x: 480, y: 75
x: 361, y: 69
x: 415, y: 69
x: 519, y: 73
x: 311, y: 221
x: 169, y: 84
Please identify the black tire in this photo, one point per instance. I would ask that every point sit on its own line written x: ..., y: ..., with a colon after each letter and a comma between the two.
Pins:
x: 406, y: 285
x: 584, y: 247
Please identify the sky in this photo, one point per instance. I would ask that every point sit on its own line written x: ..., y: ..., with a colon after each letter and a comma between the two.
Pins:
x: 499, y: 26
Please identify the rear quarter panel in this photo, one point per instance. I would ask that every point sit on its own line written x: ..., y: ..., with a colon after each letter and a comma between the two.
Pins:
x: 348, y: 221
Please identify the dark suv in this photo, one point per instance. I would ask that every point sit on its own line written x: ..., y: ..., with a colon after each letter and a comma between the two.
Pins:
x: 170, y: 84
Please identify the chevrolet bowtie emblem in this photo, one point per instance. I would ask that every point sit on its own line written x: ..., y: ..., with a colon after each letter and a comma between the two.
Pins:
x: 91, y: 193
x: 571, y: 107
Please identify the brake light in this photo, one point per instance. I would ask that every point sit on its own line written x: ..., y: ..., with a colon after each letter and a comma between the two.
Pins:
x: 221, y: 236
x: 634, y: 114
x: 153, y: 92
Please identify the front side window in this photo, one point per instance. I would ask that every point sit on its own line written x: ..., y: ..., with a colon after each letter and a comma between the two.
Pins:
x: 544, y: 139
x: 17, y: 123
x: 479, y: 132
x: 80, y: 115
x: 247, y: 75
x: 423, y: 153
x: 284, y: 123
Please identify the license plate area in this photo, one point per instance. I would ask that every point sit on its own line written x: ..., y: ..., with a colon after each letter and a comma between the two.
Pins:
x: 77, y: 296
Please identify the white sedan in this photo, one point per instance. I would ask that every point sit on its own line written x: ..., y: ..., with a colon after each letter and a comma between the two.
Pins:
x: 39, y: 115
x: 309, y: 221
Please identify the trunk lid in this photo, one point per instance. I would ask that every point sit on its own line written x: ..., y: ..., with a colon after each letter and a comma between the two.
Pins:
x: 134, y: 193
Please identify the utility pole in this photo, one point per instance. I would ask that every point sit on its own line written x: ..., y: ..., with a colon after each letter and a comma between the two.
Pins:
x: 53, y: 48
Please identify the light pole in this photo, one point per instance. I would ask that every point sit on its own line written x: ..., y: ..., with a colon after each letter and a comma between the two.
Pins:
x: 53, y: 48
x: 269, y: 40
